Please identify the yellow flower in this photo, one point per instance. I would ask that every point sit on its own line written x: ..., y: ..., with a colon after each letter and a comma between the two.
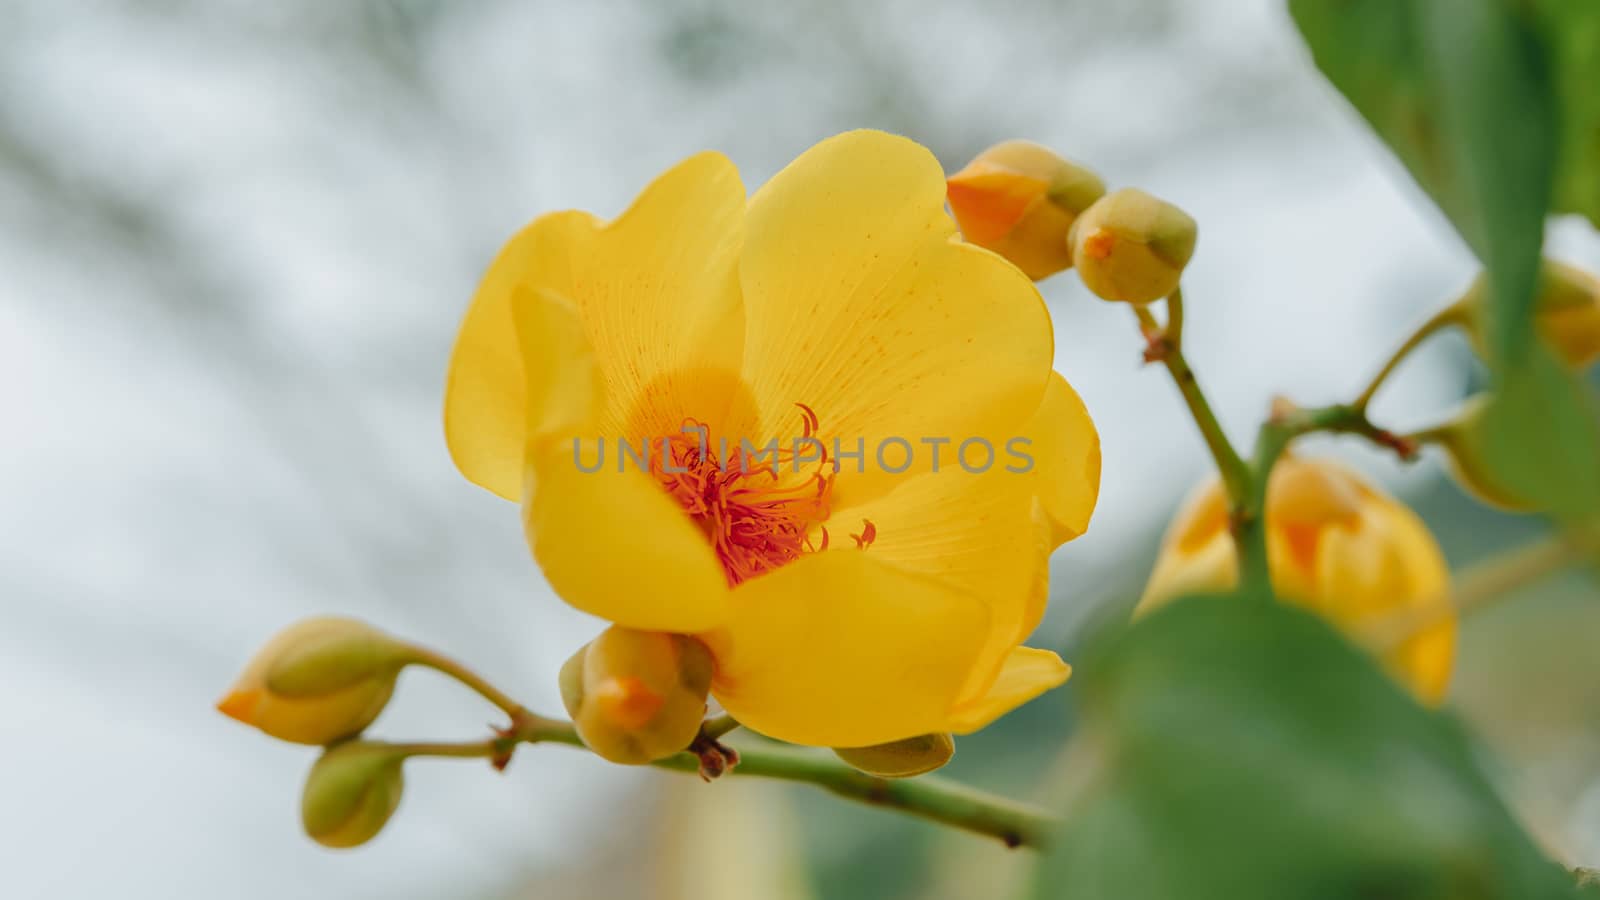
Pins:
x: 1019, y: 199
x: 1336, y: 545
x: 834, y: 304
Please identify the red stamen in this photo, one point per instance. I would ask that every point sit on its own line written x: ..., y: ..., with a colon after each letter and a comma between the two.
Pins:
x: 869, y: 533
x: 756, y: 518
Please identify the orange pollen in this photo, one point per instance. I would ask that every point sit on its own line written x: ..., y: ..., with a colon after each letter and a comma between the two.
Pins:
x: 869, y: 533
x: 757, y: 508
x: 1099, y: 244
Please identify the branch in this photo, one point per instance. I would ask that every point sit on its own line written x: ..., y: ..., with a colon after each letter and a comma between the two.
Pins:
x: 1453, y: 314
x: 1165, y: 345
x: 931, y: 798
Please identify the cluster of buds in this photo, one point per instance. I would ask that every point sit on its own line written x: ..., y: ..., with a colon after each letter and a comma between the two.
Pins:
x: 322, y: 681
x: 635, y: 697
x: 1046, y: 214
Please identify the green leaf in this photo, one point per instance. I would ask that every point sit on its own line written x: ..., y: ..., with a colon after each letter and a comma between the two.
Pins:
x: 1461, y: 90
x: 1240, y: 749
x: 1572, y: 28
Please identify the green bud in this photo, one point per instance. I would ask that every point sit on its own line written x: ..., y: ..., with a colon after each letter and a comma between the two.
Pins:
x: 571, y: 681
x: 1461, y: 440
x: 901, y: 759
x: 637, y: 696
x: 318, y: 681
x: 1132, y: 247
x: 336, y: 655
x: 351, y: 792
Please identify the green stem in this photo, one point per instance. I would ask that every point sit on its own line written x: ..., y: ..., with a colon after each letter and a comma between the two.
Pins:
x: 473, y: 750
x: 1450, y: 315
x: 422, y: 656
x: 931, y: 798
x: 1166, y: 346
x: 1174, y: 329
x: 717, y: 726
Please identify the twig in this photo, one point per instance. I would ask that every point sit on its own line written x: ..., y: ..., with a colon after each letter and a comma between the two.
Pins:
x: 1165, y: 345
x: 936, y: 799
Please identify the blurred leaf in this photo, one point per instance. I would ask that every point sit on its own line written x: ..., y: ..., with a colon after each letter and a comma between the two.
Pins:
x: 1572, y: 28
x: 1461, y: 91
x: 1243, y: 750
x: 1539, y: 435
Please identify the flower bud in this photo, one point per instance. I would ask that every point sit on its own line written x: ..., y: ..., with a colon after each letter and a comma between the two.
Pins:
x: 901, y: 759
x: 1336, y: 545
x: 637, y: 696
x: 1132, y: 247
x: 1461, y: 440
x: 1019, y: 200
x: 317, y: 681
x: 1566, y: 312
x: 351, y: 792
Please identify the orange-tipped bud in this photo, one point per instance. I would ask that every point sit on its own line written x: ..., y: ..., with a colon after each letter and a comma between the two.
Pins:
x: 901, y: 759
x: 637, y: 696
x: 351, y: 792
x: 1132, y: 247
x: 317, y: 681
x: 1019, y: 199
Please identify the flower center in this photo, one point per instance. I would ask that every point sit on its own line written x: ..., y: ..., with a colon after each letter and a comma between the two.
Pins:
x: 757, y: 505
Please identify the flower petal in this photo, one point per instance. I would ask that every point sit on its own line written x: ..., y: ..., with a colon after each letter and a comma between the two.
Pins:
x: 839, y: 650
x: 614, y: 544
x: 1386, y: 565
x: 1027, y: 673
x: 657, y: 292
x: 978, y: 532
x: 485, y: 400
x: 1429, y: 656
x: 1209, y: 567
x: 991, y: 532
x: 581, y: 524
x: 1065, y: 448
x: 859, y: 304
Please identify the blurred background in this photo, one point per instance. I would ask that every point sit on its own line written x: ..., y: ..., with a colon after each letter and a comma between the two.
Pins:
x: 235, y: 241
